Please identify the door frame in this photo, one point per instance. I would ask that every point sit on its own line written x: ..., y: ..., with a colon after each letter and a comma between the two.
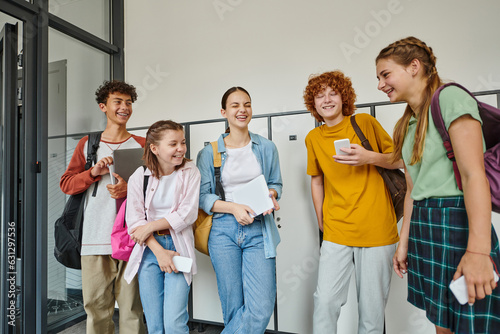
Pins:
x: 32, y: 168
x: 9, y: 160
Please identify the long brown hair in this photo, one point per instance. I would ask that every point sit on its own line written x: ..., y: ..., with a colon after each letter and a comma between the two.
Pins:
x: 154, y: 136
x: 404, y: 52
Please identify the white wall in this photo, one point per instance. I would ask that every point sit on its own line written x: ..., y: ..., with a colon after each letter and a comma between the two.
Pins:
x: 183, y: 55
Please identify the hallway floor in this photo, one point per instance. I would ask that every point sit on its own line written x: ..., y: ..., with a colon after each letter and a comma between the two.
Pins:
x: 80, y: 328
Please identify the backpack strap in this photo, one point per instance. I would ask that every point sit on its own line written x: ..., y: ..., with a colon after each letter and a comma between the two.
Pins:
x: 145, y: 183
x: 92, y: 145
x: 360, y: 134
x: 364, y: 141
x: 145, y: 186
x: 394, y: 179
x: 437, y: 117
x: 219, y: 190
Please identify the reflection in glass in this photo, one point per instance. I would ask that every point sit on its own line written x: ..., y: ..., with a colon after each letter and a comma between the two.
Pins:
x: 64, y: 290
x: 75, y: 72
x: 86, y: 69
x: 90, y: 15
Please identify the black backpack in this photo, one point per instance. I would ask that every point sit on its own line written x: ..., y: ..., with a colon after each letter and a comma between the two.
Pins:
x: 68, y: 228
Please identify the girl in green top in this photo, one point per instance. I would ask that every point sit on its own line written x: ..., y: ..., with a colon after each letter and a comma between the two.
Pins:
x: 446, y: 233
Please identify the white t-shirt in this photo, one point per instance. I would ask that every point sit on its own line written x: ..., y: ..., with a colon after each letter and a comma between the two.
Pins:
x: 241, y: 167
x: 163, y: 200
x: 100, y: 211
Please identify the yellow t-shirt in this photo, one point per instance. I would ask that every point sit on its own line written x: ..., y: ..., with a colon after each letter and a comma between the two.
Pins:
x: 357, y: 207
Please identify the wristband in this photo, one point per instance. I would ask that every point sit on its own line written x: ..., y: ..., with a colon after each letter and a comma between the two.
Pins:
x: 468, y: 251
x: 488, y: 255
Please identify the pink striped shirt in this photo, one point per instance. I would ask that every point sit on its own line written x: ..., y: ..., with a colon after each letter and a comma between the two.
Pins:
x: 183, y: 215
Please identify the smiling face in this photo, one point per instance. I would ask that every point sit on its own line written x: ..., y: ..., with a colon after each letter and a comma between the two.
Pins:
x: 118, y: 108
x: 238, y: 110
x: 170, y: 150
x: 395, y: 80
x: 328, y: 104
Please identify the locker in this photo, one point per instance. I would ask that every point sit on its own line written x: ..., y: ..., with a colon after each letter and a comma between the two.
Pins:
x: 206, y: 304
x: 298, y: 252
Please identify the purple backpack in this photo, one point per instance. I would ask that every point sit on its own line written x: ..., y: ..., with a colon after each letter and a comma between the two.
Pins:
x: 491, y: 133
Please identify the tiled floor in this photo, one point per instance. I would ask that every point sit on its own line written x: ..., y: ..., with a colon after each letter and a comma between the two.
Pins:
x: 80, y: 328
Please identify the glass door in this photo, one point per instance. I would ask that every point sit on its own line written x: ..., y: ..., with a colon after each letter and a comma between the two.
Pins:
x: 10, y: 276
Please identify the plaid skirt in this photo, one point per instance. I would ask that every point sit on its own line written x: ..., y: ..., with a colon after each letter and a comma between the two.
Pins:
x: 437, y: 242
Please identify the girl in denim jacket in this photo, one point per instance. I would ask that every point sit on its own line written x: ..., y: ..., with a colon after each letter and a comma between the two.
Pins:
x: 242, y: 247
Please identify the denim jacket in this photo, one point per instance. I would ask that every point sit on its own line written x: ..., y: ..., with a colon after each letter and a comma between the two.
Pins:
x: 267, y: 156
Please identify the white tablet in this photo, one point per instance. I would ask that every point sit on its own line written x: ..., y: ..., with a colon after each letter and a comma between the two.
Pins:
x: 255, y: 194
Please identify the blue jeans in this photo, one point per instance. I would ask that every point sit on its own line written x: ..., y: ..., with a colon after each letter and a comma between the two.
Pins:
x: 164, y: 296
x: 246, y: 280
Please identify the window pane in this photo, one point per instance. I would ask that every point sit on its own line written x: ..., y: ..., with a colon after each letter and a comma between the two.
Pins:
x: 87, y: 68
x: 76, y: 70
x: 90, y: 15
x: 64, y: 287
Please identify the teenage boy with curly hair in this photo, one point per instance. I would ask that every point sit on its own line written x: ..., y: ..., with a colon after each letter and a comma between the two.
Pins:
x: 353, y: 206
x: 102, y: 275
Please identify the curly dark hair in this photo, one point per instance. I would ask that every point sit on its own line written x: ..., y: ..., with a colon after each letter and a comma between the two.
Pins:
x: 337, y: 81
x: 114, y: 86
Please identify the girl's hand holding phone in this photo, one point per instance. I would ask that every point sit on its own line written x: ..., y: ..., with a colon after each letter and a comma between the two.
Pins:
x: 166, y: 262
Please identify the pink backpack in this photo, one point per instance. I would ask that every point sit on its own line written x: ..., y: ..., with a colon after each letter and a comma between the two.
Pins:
x: 121, y: 244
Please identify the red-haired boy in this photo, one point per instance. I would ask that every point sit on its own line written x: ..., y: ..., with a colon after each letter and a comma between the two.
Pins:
x: 353, y: 206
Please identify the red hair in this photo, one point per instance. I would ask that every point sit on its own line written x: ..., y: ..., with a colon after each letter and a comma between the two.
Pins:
x: 337, y: 81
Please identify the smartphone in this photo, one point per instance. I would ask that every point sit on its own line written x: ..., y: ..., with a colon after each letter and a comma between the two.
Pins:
x: 183, y: 263
x: 459, y: 288
x: 341, y: 143
x: 111, y: 171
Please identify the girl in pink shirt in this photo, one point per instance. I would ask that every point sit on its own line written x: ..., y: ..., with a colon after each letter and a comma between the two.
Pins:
x: 160, y: 224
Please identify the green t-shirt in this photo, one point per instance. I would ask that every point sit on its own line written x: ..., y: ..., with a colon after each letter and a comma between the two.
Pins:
x: 433, y: 176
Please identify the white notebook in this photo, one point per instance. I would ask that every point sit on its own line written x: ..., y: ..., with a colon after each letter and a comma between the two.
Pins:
x: 255, y: 194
